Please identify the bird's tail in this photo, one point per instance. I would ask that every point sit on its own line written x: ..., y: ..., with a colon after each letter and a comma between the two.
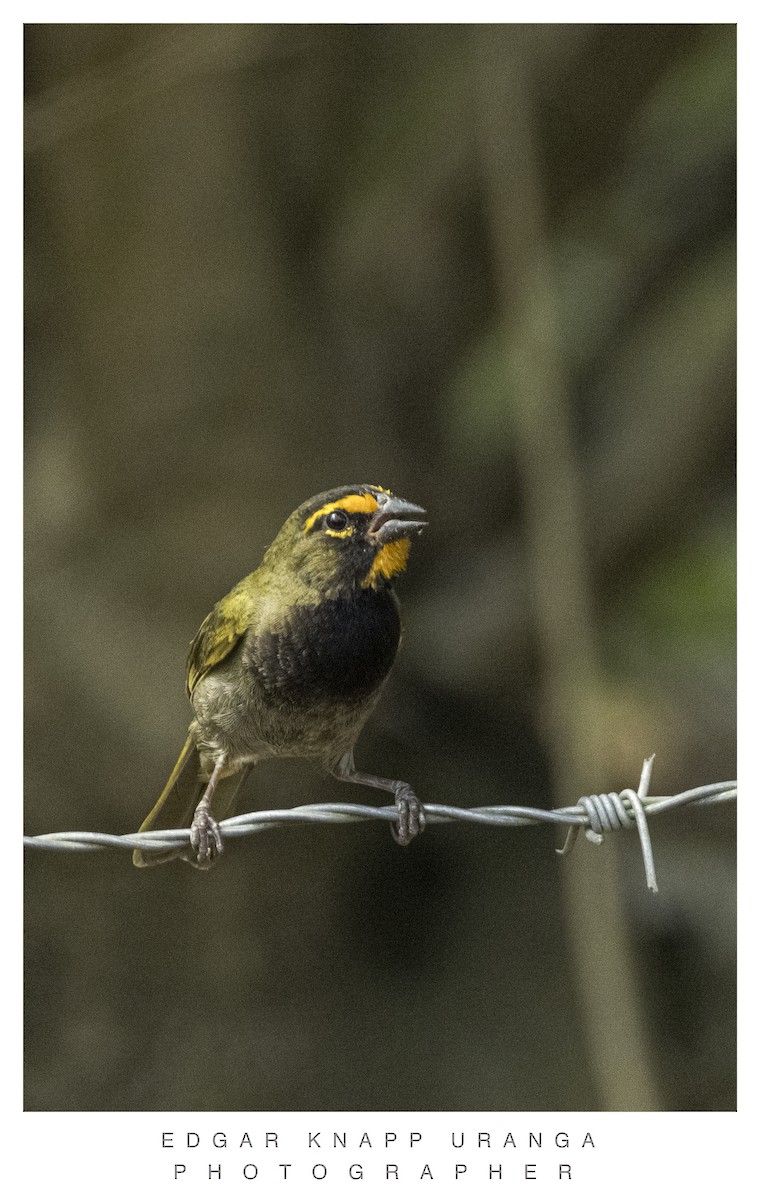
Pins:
x: 181, y: 795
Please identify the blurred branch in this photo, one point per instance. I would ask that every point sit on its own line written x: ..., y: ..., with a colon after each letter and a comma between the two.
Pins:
x: 136, y: 77
x: 675, y: 178
x: 555, y: 538
x: 643, y: 276
x: 671, y: 375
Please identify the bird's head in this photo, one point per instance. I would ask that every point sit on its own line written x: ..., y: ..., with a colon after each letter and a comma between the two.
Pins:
x: 351, y: 537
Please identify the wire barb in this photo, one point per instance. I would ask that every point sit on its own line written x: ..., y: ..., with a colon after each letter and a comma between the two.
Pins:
x: 596, y: 814
x: 607, y: 811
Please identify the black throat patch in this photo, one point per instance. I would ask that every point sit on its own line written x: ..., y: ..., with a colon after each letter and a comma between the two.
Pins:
x: 340, y: 649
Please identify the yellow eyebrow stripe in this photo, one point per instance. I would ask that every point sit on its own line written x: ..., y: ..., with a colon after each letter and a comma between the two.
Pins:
x: 359, y: 502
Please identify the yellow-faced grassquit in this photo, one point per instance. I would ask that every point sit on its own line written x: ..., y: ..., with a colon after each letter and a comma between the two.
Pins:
x: 291, y: 663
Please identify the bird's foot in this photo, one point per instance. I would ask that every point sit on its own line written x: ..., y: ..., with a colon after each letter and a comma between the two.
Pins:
x: 205, y: 838
x: 411, y: 819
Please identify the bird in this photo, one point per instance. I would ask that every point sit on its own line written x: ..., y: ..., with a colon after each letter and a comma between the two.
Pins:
x: 291, y: 663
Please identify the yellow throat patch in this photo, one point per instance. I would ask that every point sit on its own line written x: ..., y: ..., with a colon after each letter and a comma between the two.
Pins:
x: 388, y: 562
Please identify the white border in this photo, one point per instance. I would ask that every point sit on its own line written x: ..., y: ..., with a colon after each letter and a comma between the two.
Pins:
x: 657, y: 1154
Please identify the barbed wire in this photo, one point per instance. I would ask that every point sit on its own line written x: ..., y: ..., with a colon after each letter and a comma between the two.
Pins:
x: 597, y: 815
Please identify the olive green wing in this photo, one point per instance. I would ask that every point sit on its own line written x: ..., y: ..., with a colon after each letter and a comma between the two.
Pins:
x: 219, y: 633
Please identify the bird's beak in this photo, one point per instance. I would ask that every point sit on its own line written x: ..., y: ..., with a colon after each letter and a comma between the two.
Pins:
x: 395, y: 519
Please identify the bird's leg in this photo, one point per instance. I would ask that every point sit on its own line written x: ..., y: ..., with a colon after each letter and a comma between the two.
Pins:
x: 411, y: 819
x: 205, y: 835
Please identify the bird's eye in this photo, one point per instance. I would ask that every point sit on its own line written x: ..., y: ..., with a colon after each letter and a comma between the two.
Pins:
x: 337, y: 520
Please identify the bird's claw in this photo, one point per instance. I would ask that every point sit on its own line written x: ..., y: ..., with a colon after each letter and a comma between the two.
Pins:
x: 411, y: 819
x: 206, y: 840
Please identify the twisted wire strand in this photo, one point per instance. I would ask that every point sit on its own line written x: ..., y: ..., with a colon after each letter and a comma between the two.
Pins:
x: 598, y: 815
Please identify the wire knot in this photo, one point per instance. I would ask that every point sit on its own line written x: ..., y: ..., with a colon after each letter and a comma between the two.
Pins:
x: 606, y: 812
x: 610, y: 811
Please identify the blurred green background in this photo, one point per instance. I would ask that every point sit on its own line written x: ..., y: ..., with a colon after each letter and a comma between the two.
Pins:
x: 491, y: 268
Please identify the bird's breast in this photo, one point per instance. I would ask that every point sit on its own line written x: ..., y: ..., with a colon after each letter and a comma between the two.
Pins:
x: 340, y: 649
